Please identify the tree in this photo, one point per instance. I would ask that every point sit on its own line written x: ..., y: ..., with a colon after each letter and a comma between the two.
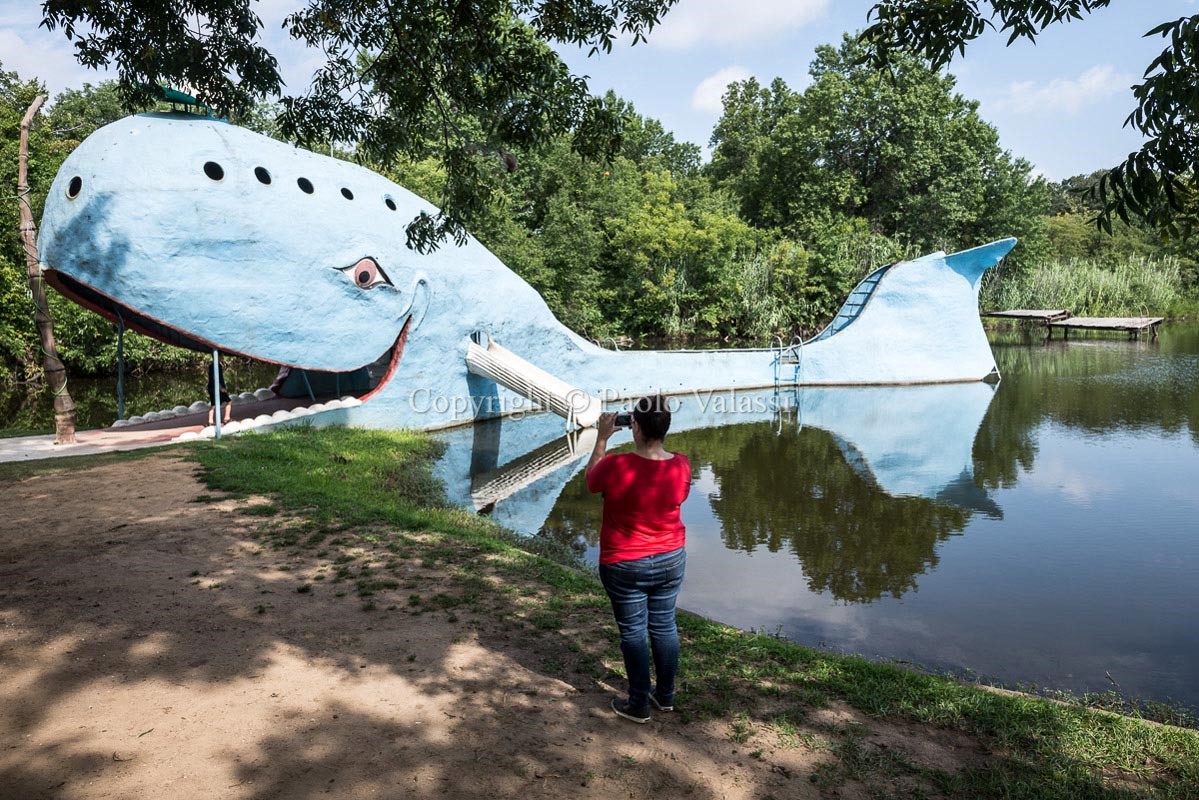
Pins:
x: 56, y: 373
x: 908, y: 155
x: 468, y: 83
x: 1156, y: 182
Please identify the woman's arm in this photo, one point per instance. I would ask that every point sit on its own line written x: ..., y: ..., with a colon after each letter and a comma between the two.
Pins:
x: 603, y: 428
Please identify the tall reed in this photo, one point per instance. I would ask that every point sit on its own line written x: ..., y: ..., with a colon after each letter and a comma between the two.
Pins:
x: 1132, y: 286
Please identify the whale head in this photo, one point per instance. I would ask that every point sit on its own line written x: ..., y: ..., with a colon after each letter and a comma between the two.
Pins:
x: 206, y: 235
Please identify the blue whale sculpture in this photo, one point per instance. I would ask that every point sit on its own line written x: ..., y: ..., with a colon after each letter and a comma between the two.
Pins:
x: 211, y: 236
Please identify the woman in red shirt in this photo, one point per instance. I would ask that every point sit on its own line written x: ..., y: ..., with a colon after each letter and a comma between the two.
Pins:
x: 642, y: 556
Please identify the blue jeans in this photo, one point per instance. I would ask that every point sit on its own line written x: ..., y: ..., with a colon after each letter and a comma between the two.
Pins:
x: 643, y: 593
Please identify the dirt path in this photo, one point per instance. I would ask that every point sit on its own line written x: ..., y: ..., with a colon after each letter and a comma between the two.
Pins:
x: 151, y: 647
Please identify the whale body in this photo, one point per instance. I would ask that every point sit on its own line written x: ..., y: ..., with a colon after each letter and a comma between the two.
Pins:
x: 210, y: 236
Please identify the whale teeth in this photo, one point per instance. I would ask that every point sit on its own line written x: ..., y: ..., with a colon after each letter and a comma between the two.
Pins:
x: 180, y: 410
x: 264, y: 394
x: 199, y: 405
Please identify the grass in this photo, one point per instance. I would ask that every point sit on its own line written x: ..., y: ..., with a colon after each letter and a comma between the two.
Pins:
x: 1135, y: 286
x: 374, y: 492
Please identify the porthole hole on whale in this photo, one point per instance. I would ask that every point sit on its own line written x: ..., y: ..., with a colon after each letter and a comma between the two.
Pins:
x: 346, y: 193
x: 389, y: 202
x: 263, y: 175
x: 305, y: 185
x: 214, y: 170
x: 74, y: 187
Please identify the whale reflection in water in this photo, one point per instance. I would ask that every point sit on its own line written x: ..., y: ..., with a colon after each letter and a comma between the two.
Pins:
x: 907, y: 441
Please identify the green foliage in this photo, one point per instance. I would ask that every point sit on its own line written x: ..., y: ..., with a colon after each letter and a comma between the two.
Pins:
x: 640, y: 246
x: 1158, y: 182
x: 907, y: 155
x: 1072, y: 233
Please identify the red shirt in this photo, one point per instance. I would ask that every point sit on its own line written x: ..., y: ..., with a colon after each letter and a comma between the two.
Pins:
x: 641, y: 504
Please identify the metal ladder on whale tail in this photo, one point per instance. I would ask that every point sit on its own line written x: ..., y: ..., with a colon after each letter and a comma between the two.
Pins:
x: 853, y: 305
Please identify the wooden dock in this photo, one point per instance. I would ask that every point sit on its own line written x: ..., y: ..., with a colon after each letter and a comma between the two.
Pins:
x: 1134, y: 325
x: 1046, y: 315
x: 1060, y: 318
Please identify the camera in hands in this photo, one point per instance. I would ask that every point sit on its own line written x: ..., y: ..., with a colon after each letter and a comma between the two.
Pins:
x: 624, y: 419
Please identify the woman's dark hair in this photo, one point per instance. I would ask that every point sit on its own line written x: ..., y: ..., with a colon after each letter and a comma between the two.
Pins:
x: 653, y: 417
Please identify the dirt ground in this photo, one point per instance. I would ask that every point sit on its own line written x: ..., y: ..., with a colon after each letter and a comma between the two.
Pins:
x: 152, y: 647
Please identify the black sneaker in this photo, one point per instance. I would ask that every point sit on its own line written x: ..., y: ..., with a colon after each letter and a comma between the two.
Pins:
x: 658, y: 704
x: 623, y: 709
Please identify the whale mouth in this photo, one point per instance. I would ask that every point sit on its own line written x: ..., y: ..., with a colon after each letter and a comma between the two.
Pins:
x: 384, y: 366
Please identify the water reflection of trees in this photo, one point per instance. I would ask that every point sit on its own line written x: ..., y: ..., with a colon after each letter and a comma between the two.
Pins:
x: 795, y: 491
x: 1099, y: 385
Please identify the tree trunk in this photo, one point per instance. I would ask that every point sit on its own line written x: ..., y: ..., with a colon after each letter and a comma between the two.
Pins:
x: 56, y: 373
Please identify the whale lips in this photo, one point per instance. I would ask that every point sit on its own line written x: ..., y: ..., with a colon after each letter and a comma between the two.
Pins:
x: 397, y: 352
x: 135, y: 320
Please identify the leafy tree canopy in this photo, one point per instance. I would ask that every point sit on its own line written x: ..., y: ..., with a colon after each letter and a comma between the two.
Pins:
x: 910, y: 156
x: 1158, y: 182
x: 465, y: 82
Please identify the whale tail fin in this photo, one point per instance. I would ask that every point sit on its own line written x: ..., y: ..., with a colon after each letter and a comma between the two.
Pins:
x: 972, y: 263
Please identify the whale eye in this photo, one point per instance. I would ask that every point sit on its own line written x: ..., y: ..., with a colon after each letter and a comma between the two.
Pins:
x: 366, y: 274
x: 74, y: 187
x: 214, y: 170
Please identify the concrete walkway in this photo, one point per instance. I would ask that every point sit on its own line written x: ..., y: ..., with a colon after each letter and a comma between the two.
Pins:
x: 133, y: 437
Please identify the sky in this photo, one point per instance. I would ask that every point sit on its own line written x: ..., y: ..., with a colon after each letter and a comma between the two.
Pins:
x: 1060, y: 104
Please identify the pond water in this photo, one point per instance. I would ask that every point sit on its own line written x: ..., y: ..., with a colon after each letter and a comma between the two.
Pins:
x: 1039, y: 533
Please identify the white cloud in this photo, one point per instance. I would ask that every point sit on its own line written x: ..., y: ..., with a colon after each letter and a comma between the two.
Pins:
x: 706, y: 96
x: 1067, y: 95
x: 694, y: 22
x: 47, y: 56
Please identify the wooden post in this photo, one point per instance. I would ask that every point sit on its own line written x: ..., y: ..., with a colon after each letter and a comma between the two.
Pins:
x: 56, y: 373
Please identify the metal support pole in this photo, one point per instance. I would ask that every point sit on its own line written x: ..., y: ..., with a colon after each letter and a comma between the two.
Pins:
x: 216, y: 394
x: 304, y: 375
x: 120, y: 366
